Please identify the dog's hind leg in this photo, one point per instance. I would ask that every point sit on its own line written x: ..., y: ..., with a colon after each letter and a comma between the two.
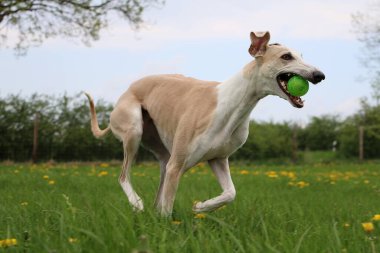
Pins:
x: 168, y: 186
x: 221, y: 170
x: 152, y: 141
x: 163, y: 163
x: 130, y: 151
x: 127, y: 124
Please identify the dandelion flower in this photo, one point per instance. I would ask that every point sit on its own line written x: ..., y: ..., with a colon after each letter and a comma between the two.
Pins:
x: 104, y: 165
x: 288, y: 174
x: 72, y: 240
x: 8, y: 242
x: 24, y: 203
x: 302, y: 184
x: 51, y: 182
x: 244, y: 172
x: 368, y: 227
x: 176, y: 222
x: 103, y: 173
x: 272, y: 174
x: 200, y: 216
x: 376, y: 217
x: 45, y: 177
x: 346, y: 225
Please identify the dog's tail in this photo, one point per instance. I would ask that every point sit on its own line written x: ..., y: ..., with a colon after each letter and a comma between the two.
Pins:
x: 96, y: 131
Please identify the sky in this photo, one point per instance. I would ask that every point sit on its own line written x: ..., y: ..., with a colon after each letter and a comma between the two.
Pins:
x: 207, y: 40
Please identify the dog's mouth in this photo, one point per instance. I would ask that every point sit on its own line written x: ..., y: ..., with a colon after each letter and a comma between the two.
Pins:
x: 282, y: 81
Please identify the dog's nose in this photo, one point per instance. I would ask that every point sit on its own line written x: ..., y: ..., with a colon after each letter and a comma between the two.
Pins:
x: 318, y: 76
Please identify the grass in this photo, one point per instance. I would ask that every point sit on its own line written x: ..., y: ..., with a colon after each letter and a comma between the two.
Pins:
x: 279, y: 208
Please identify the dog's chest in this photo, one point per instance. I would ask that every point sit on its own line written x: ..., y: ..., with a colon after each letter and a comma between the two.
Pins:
x: 230, y: 142
x: 220, y: 145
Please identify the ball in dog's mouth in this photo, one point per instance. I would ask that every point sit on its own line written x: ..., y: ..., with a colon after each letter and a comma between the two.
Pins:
x: 282, y: 81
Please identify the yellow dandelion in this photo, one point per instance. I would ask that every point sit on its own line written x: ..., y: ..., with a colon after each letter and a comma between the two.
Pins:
x: 346, y: 225
x: 103, y: 173
x: 288, y: 174
x: 333, y: 176
x: 8, y: 242
x: 51, y: 182
x: 302, y: 184
x: 104, y: 165
x: 72, y: 240
x: 24, y: 203
x: 200, y: 216
x: 368, y: 227
x: 176, y: 222
x: 272, y: 174
x: 376, y: 217
x: 45, y: 177
x: 244, y: 172
x: 292, y: 175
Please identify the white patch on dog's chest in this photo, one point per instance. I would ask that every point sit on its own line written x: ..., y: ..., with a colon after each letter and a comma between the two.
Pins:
x: 221, y: 145
x: 232, y: 142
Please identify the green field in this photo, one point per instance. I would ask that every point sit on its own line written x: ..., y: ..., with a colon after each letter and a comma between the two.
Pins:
x: 81, y: 208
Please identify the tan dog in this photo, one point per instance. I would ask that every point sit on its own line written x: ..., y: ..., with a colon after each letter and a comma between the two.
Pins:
x: 184, y: 121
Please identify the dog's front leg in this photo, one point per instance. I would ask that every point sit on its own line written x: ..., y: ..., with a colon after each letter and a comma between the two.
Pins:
x: 221, y: 170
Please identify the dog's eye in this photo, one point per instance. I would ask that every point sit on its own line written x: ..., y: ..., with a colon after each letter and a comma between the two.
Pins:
x: 287, y: 57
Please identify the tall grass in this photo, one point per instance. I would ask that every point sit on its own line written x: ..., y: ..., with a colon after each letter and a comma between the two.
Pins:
x: 81, y: 208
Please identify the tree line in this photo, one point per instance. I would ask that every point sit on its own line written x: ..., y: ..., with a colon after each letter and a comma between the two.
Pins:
x: 64, y: 132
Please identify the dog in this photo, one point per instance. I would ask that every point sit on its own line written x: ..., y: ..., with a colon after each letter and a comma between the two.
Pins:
x: 184, y: 121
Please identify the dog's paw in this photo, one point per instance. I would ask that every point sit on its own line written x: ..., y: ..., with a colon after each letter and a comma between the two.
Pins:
x: 198, y: 207
x: 138, y: 206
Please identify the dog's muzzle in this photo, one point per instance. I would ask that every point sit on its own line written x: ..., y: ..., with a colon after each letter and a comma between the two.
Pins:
x: 283, y: 78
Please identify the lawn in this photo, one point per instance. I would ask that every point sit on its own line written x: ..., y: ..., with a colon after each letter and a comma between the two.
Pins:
x: 81, y: 208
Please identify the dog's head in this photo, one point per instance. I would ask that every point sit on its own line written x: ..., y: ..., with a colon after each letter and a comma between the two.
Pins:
x: 277, y: 64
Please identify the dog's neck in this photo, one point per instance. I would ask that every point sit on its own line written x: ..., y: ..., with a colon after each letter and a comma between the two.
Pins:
x: 239, y: 95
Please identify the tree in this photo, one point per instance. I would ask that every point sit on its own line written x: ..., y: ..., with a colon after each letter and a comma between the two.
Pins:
x: 376, y: 89
x: 320, y: 133
x: 36, y: 20
x: 369, y: 118
x: 266, y: 140
x: 367, y: 27
x: 64, y: 129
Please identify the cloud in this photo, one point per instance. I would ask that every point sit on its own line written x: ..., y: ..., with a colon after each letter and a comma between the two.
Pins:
x: 183, y: 21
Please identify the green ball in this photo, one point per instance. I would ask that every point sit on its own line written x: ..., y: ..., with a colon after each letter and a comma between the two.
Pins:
x: 298, y: 86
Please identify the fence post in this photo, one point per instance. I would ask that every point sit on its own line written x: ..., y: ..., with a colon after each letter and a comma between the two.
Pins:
x: 35, y: 137
x: 361, y: 143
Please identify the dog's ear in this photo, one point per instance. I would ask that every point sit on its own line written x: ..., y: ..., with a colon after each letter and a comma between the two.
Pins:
x: 259, y: 42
